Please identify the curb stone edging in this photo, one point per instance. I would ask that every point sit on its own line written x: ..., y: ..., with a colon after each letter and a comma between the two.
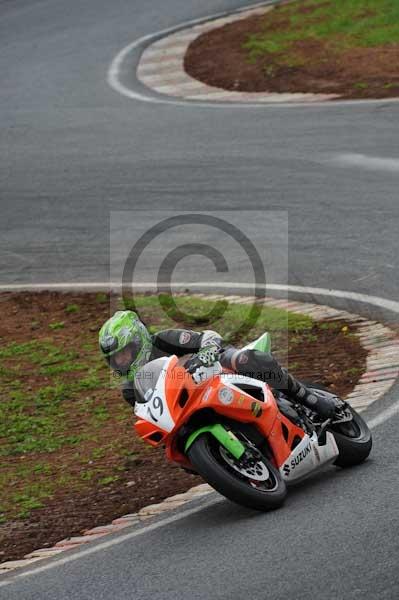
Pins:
x: 161, y: 66
x: 382, y: 370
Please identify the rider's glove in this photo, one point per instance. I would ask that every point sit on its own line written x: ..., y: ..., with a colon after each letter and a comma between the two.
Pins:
x: 199, y: 364
x: 209, y: 355
x: 128, y: 394
x: 324, y: 403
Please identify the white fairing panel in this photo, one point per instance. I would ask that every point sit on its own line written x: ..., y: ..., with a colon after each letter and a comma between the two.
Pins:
x: 155, y: 410
x: 234, y: 380
x: 309, y: 456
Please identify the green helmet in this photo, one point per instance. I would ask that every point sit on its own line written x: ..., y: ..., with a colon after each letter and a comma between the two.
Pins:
x: 125, y: 343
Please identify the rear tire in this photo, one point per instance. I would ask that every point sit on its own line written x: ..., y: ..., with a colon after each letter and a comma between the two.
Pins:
x: 354, y: 441
x: 206, y: 457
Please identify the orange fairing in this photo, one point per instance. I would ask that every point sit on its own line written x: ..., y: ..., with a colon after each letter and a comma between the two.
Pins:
x: 149, y: 432
x: 221, y: 394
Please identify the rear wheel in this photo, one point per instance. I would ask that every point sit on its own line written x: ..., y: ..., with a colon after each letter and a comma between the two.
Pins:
x: 353, y: 439
x: 255, y: 483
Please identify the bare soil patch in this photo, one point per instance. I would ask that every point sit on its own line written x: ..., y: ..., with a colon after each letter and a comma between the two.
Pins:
x: 102, y: 470
x: 218, y: 58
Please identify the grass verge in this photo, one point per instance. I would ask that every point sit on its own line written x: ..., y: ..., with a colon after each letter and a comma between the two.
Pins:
x: 343, y: 24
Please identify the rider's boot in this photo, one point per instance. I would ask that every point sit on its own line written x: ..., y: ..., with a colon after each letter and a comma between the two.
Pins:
x: 323, y: 403
x: 262, y: 365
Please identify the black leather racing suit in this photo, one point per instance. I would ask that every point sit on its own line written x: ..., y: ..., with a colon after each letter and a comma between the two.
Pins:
x: 252, y: 363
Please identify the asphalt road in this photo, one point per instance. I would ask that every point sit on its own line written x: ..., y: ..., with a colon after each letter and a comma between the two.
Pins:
x: 73, y: 151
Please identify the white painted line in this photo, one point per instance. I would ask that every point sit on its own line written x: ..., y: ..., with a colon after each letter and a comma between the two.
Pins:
x: 356, y: 297
x: 112, y: 542
x: 386, y: 414
x: 384, y: 303
x: 372, y: 163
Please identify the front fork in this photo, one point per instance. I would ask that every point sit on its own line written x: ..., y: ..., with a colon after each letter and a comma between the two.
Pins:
x: 246, y: 455
x: 226, y: 438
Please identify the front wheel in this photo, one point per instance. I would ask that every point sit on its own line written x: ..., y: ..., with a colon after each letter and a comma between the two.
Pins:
x: 256, y: 484
x: 353, y: 439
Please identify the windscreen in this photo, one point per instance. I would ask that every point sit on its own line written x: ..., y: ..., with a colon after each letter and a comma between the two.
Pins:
x: 147, y: 377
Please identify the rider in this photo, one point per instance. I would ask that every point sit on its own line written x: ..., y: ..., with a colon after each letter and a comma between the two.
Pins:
x: 127, y: 345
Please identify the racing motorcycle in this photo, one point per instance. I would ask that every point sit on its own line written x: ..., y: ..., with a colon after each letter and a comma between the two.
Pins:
x: 245, y: 440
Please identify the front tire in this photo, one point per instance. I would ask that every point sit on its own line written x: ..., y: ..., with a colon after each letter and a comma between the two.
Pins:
x: 215, y: 465
x: 353, y: 439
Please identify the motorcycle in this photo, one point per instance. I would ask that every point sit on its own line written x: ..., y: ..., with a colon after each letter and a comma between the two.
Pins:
x: 245, y: 440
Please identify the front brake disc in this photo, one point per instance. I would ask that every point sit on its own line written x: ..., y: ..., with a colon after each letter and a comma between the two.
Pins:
x: 257, y: 471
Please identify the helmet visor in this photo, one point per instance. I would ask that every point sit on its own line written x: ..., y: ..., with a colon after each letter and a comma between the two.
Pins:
x: 123, y: 359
